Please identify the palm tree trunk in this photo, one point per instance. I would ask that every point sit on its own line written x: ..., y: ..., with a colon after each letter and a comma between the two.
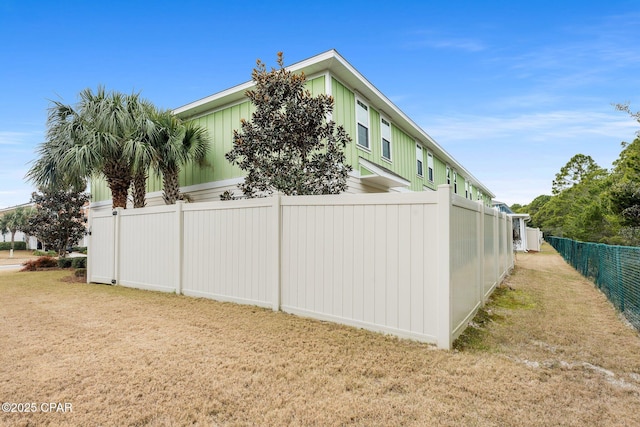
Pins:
x: 119, y: 180
x: 170, y: 187
x: 139, y: 190
x: 13, y: 235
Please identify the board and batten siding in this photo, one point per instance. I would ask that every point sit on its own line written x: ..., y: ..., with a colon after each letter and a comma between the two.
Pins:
x: 206, y: 182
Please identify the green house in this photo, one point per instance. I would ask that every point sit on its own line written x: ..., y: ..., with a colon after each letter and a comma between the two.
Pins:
x: 389, y: 152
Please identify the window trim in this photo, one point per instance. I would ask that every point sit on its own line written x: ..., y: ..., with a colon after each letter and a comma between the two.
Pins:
x: 360, y: 103
x: 455, y: 182
x: 430, y: 166
x: 389, y: 159
x: 420, y: 161
x: 448, y: 175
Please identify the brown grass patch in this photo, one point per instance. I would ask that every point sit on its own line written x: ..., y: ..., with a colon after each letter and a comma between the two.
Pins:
x: 555, y: 354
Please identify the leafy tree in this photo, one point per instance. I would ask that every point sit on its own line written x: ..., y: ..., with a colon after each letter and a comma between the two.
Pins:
x: 58, y: 220
x: 577, y: 209
x: 13, y: 222
x: 576, y: 169
x: 175, y: 144
x: 288, y: 145
x: 101, y: 136
x: 533, y: 208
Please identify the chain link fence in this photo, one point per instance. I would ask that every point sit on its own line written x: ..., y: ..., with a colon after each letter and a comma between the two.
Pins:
x: 614, y: 269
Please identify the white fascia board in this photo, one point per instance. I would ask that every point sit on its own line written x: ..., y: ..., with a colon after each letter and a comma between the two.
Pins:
x: 525, y: 217
x: 12, y: 208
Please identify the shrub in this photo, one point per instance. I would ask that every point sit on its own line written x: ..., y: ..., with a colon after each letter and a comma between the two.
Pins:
x: 79, y: 262
x: 80, y: 272
x: 65, y: 262
x: 43, y: 253
x: 18, y: 246
x: 80, y: 249
x: 39, y: 263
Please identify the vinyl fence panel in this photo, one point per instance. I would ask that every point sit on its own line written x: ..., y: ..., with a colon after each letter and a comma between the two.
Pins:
x: 466, y: 265
x: 101, y: 250
x: 146, y: 256
x: 364, y: 261
x: 230, y: 251
x: 417, y: 265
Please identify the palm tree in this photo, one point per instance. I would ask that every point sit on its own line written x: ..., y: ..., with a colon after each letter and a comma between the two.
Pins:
x: 176, y: 143
x: 13, y: 222
x: 104, y: 135
x: 140, y: 150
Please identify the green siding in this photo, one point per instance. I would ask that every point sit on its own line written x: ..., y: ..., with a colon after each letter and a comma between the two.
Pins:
x: 221, y: 124
x: 403, y: 147
x: 439, y: 172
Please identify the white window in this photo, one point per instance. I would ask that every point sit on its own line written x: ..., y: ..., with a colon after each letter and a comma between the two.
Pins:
x: 385, y: 132
x: 448, y: 175
x: 455, y: 182
x: 419, y: 160
x: 362, y: 117
x: 466, y: 190
x: 430, y: 166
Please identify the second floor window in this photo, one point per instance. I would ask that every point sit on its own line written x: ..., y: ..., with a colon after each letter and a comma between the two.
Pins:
x: 419, y: 160
x: 385, y: 132
x: 362, y: 117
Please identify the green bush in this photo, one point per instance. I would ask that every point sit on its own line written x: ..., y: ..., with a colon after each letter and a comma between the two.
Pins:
x: 65, y: 262
x: 80, y: 249
x: 18, y: 246
x: 47, y: 253
x: 79, y: 262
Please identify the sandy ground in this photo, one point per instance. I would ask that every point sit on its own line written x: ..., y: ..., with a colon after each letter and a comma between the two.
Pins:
x: 555, y: 353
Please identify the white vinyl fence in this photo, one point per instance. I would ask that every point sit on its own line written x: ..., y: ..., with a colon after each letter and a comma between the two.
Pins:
x: 416, y: 265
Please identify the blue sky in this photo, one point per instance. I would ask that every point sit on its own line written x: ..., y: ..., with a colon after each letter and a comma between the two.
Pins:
x: 511, y: 89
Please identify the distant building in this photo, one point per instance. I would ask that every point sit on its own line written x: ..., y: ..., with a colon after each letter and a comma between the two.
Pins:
x: 520, y: 230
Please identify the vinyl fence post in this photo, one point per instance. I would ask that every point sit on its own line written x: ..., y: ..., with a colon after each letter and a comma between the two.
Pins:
x: 117, y: 213
x: 276, y: 260
x: 496, y: 246
x: 179, y: 239
x: 443, y: 329
x: 89, y: 244
x: 481, y: 254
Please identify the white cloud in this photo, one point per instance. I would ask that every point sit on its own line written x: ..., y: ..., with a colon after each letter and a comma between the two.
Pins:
x: 435, y: 40
x: 13, y: 138
x: 542, y: 126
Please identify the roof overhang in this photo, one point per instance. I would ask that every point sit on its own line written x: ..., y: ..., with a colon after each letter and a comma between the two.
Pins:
x: 524, y: 217
x: 370, y: 173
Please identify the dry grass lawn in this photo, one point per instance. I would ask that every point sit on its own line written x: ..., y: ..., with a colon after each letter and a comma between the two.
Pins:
x: 552, y: 352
